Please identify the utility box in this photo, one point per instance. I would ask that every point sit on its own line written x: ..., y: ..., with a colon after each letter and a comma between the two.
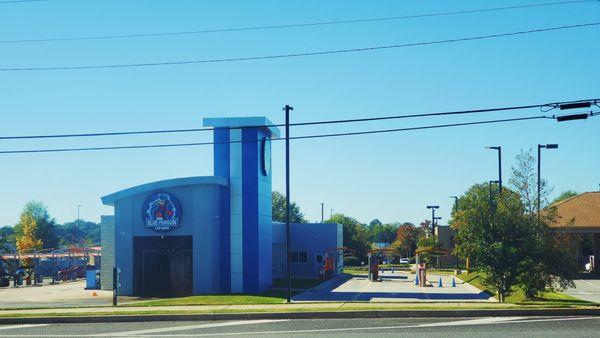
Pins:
x: 92, y: 279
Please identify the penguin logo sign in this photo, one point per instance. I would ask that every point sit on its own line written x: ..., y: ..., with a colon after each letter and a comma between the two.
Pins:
x: 161, y: 212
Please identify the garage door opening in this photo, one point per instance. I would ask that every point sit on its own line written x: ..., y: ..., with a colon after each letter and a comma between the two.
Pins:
x: 163, y: 266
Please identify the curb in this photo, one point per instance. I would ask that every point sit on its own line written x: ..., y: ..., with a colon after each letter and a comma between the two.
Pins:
x: 303, y: 315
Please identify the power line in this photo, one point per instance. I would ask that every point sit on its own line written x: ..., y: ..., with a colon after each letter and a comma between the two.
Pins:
x: 294, y: 55
x: 310, y: 123
x: 295, y: 25
x: 18, y: 1
x: 380, y: 131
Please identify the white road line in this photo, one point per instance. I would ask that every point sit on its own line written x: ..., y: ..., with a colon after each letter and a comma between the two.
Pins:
x: 20, y: 326
x: 478, y: 321
x: 186, y: 328
x: 507, y: 320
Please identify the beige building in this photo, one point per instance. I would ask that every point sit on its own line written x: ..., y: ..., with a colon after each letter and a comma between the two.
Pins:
x: 580, y: 216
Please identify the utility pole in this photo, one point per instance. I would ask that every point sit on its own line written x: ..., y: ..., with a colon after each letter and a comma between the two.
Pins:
x: 539, y: 174
x: 322, y: 214
x: 433, y: 207
x: 330, y: 213
x: 287, y: 109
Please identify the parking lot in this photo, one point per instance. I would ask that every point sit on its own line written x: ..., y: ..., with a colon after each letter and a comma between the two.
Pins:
x: 394, y: 287
x: 66, y: 294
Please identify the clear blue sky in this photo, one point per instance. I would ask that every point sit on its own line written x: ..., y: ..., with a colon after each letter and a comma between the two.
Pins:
x: 391, y: 177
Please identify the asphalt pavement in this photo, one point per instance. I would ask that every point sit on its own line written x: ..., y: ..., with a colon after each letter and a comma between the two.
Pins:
x: 410, y: 327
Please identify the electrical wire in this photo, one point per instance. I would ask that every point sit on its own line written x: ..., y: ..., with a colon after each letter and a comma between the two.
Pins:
x: 380, y: 131
x: 310, y: 123
x: 295, y: 55
x: 295, y: 25
x: 18, y: 1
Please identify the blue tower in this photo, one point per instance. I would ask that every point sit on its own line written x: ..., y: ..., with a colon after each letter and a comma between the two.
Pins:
x: 242, y: 154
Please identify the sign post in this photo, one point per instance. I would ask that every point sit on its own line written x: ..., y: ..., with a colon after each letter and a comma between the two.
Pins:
x: 116, y: 284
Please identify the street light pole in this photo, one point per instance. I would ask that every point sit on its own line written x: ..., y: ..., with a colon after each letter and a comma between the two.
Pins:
x: 539, y: 173
x: 78, y: 218
x: 455, y: 203
x: 322, y: 214
x: 433, y: 207
x: 499, y: 148
x: 287, y: 109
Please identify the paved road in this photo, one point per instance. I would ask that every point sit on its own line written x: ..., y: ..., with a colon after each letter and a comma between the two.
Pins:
x: 419, y: 327
x: 394, y: 287
x: 586, y: 289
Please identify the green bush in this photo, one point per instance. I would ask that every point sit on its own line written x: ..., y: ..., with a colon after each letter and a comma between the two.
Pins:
x: 351, y: 261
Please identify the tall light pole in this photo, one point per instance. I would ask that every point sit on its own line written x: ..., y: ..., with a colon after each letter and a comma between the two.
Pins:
x: 78, y: 218
x: 322, y: 214
x: 499, y: 148
x: 433, y: 208
x: 287, y: 109
x: 490, y: 193
x: 539, y: 173
x: 455, y: 203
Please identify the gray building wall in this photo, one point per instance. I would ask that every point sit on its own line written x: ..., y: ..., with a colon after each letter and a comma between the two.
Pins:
x: 107, y: 242
x: 314, y: 238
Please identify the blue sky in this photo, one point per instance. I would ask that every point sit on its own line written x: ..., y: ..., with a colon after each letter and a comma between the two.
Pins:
x: 391, y: 176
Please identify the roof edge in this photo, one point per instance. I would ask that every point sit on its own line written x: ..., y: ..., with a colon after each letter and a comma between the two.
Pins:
x: 169, y: 183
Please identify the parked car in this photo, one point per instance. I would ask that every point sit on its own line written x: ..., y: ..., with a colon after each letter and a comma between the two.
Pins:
x: 404, y: 260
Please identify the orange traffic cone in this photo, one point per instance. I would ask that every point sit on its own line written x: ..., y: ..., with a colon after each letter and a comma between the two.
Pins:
x: 94, y: 294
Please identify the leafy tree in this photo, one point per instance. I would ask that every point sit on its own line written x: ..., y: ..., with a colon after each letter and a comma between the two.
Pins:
x: 564, y: 195
x: 524, y: 181
x: 382, y: 233
x: 45, y: 226
x: 498, y: 241
x: 27, y: 240
x: 79, y: 234
x: 356, y: 235
x: 510, y: 246
x: 375, y: 222
x: 279, y: 206
x: 406, y: 239
x: 7, y: 239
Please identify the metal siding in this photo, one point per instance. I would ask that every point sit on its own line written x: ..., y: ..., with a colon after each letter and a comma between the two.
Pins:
x: 250, y: 210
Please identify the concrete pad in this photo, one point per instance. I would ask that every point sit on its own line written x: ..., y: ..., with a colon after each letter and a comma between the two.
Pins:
x: 586, y: 289
x: 67, y: 294
x: 394, y: 287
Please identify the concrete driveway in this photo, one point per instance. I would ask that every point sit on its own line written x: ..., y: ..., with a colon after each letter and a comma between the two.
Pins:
x: 68, y: 294
x: 586, y: 289
x: 394, y: 287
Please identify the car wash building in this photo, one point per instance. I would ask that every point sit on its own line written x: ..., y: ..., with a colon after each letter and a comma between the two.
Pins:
x: 210, y: 234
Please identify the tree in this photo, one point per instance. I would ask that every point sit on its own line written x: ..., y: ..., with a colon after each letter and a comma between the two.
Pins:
x: 79, y: 233
x: 498, y: 241
x: 511, y: 247
x: 356, y: 235
x: 27, y: 240
x: 524, y: 181
x: 7, y: 239
x: 564, y: 195
x: 45, y: 226
x: 382, y: 233
x: 279, y: 206
x: 406, y: 239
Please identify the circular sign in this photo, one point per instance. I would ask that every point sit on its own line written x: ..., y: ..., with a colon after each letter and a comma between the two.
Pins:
x: 266, y: 156
x: 161, y: 212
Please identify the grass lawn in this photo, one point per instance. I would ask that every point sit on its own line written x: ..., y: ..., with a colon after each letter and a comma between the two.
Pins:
x: 268, y: 297
x: 556, y: 299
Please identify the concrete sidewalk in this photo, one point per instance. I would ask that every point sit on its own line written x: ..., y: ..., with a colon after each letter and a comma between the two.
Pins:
x: 394, y: 287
